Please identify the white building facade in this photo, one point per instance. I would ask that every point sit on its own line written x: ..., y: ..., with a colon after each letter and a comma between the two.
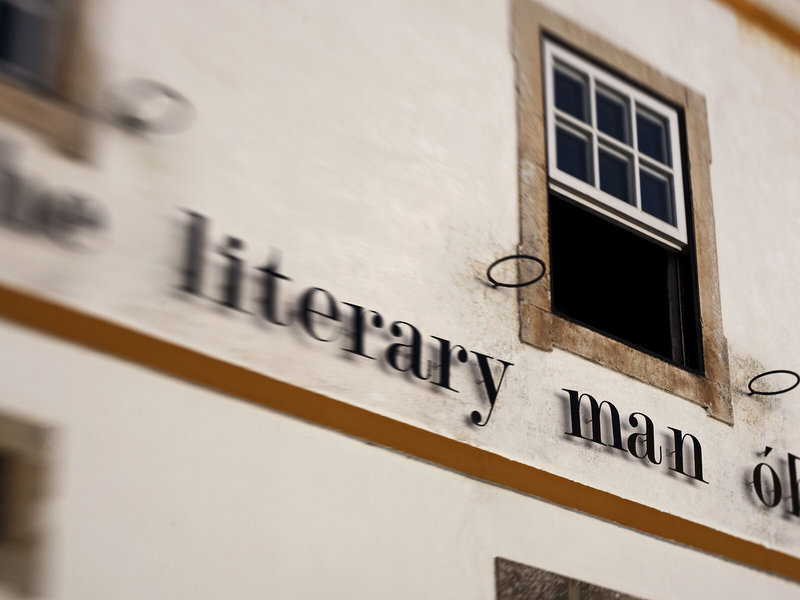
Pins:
x: 251, y: 344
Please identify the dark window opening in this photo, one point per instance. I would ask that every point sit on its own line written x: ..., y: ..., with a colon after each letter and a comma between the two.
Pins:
x: 27, y: 36
x: 623, y: 285
x: 6, y: 495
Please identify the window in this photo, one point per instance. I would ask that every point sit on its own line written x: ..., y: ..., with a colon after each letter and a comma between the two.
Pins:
x: 24, y: 463
x: 613, y: 148
x: 29, y: 35
x: 46, y: 69
x: 615, y: 198
x: 515, y: 581
x: 614, y: 154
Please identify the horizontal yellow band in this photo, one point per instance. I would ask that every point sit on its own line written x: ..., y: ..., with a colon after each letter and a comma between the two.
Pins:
x: 104, y: 336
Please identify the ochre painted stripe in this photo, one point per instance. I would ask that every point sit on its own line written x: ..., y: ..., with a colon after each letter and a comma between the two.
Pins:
x: 771, y: 22
x: 105, y: 336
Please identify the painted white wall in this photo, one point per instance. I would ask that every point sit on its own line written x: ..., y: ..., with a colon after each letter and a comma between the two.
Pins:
x: 166, y: 490
x: 374, y: 144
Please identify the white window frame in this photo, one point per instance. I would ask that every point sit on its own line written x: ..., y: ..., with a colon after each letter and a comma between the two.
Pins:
x: 590, y: 194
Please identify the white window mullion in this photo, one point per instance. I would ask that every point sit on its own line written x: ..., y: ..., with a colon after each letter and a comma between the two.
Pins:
x: 613, y: 142
x: 593, y: 122
x: 550, y: 109
x: 635, y: 141
x: 655, y: 165
x: 565, y: 118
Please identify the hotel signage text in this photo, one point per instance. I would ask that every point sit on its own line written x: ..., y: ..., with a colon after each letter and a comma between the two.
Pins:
x: 319, y: 314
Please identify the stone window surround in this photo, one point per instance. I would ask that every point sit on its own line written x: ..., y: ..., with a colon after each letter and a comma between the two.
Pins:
x: 517, y: 581
x: 539, y: 326
x: 58, y: 114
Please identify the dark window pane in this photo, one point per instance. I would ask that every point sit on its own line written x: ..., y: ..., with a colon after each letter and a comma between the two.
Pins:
x: 652, y: 136
x: 6, y: 28
x: 615, y: 175
x: 22, y: 39
x: 571, y: 96
x: 656, y: 196
x: 612, y: 116
x: 572, y: 154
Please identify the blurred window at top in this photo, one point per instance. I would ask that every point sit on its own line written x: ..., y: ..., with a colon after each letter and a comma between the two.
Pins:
x: 29, y: 36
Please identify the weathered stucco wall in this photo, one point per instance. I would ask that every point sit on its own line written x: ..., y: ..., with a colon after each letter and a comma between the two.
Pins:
x: 374, y: 146
x: 166, y: 490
